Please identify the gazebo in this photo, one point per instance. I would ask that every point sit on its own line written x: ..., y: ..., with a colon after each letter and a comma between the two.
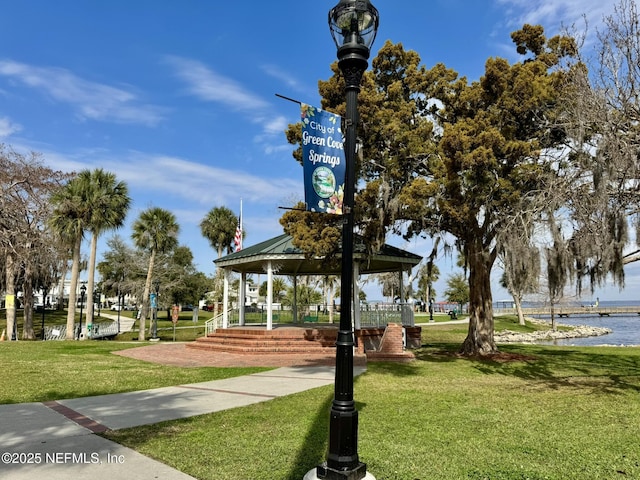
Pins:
x: 278, y: 256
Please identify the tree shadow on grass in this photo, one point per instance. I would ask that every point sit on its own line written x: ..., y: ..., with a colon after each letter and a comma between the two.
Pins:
x: 602, y: 370
x: 314, y: 445
x: 313, y: 449
x: 558, y: 368
x: 439, y: 353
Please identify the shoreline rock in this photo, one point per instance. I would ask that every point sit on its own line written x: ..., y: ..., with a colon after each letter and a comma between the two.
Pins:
x: 580, y: 331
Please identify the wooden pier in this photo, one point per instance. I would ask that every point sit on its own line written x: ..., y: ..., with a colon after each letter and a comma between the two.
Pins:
x: 566, y: 311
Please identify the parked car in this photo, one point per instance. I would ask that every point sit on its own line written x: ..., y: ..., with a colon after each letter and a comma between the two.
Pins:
x: 115, y: 307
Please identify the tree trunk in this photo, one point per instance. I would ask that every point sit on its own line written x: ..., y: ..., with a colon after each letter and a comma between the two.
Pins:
x: 518, y: 302
x: 10, y: 298
x: 145, y: 297
x: 330, y: 301
x: 479, y: 339
x: 73, y: 287
x: 91, y: 278
x: 63, y: 276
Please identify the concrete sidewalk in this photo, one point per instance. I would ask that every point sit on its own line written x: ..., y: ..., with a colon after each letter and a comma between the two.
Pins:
x: 56, y: 441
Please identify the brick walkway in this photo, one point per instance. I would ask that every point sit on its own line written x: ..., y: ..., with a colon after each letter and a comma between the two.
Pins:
x: 177, y: 354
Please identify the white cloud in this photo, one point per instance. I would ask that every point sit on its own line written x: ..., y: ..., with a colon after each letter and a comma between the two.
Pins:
x: 277, y: 125
x: 210, y: 86
x: 7, y: 127
x: 285, y: 77
x: 91, y: 100
x: 195, y: 183
x: 208, y: 185
x: 273, y: 129
x: 554, y: 14
x: 273, y: 149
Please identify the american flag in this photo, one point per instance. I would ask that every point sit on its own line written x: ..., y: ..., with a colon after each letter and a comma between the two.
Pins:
x: 237, y: 240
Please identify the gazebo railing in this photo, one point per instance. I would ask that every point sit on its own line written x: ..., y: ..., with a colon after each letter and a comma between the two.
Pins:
x: 211, y: 325
x: 371, y: 315
x: 381, y: 314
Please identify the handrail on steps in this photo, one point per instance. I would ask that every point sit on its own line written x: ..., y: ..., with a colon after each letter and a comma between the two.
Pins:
x: 211, y: 325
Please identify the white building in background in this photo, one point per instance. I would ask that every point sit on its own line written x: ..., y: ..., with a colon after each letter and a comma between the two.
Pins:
x: 251, y: 296
x: 53, y: 296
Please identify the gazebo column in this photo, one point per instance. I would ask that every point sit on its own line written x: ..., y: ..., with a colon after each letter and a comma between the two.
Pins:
x: 409, y: 309
x: 225, y: 299
x: 294, y: 308
x: 405, y: 308
x: 401, y: 283
x: 269, y: 295
x: 242, y: 294
x: 356, y: 295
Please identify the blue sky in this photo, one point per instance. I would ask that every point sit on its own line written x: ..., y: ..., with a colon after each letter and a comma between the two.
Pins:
x: 178, y: 98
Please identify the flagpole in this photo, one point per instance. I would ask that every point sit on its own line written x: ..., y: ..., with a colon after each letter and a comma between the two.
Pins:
x: 240, y: 223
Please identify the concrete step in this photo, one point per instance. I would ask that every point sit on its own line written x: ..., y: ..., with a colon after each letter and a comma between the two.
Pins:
x: 280, y: 340
x: 247, y: 348
x: 264, y: 343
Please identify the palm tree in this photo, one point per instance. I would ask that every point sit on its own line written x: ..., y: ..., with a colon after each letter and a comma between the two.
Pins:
x: 109, y: 202
x: 155, y: 231
x: 219, y: 227
x: 330, y: 284
x: 427, y: 276
x: 70, y: 218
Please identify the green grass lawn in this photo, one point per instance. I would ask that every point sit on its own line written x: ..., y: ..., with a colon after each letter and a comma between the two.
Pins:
x: 186, y: 329
x: 40, y: 371
x: 561, y: 413
x: 422, y: 317
x: 567, y: 413
x: 558, y: 413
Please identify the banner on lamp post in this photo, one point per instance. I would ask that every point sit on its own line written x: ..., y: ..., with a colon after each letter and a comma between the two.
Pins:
x: 323, y: 163
x: 153, y: 300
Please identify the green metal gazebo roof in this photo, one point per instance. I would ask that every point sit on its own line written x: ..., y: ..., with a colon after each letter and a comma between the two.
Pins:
x: 289, y: 260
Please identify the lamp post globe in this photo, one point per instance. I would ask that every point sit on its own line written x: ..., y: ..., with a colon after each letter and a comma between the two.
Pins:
x: 353, y: 25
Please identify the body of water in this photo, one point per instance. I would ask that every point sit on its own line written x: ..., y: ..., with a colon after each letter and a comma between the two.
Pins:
x: 625, y: 328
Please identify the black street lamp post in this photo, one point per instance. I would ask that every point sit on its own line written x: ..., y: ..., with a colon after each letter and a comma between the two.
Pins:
x: 83, y: 291
x: 44, y: 307
x: 120, y: 298
x: 154, y: 333
x: 119, y: 307
x: 353, y: 25
x: 98, y: 296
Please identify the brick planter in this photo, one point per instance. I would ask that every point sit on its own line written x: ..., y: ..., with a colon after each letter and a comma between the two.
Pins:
x: 385, y: 344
